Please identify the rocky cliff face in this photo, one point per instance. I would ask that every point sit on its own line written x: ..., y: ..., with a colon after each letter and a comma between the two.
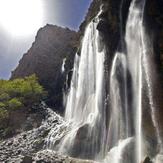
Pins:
x: 154, y: 27
x: 52, y: 47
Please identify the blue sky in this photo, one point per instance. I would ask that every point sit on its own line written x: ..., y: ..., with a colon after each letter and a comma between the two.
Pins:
x: 66, y: 13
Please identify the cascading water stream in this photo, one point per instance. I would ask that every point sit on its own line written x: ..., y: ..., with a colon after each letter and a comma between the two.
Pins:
x: 85, y: 103
x: 139, y: 37
x: 124, y: 65
x: 119, y: 133
x: 119, y: 126
x: 134, y: 55
x: 85, y: 108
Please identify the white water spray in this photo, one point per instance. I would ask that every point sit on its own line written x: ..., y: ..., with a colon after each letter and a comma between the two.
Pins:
x: 134, y: 55
x: 63, y: 65
x: 119, y: 122
x: 116, y: 154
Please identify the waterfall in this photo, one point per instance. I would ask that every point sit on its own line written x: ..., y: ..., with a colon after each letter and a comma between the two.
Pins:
x: 85, y: 111
x: 139, y: 44
x: 127, y: 116
x: 90, y: 133
x: 134, y: 54
x: 85, y: 107
x: 119, y: 122
x: 134, y: 63
x: 119, y: 134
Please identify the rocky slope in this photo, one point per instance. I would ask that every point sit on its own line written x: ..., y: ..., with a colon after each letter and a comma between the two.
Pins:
x: 30, y: 146
x: 53, y: 45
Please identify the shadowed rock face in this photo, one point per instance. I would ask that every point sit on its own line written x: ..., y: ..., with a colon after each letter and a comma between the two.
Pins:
x: 147, y: 160
x: 154, y: 23
x: 153, y: 20
x: 45, y: 59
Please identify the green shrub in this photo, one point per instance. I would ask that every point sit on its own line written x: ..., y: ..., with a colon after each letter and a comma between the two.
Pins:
x: 2, y: 105
x: 4, y: 96
x: 3, y: 114
x: 20, y: 93
x: 14, y: 104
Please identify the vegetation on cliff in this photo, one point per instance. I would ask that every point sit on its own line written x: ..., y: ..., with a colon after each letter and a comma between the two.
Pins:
x: 21, y: 93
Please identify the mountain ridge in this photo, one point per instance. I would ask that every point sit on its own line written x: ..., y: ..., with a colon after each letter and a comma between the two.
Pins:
x: 45, y: 58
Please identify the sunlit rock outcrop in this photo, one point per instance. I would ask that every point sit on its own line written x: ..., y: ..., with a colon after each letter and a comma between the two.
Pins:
x: 45, y: 58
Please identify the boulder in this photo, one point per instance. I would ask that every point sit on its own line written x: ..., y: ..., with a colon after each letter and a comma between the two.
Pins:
x: 147, y: 160
x: 27, y: 159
